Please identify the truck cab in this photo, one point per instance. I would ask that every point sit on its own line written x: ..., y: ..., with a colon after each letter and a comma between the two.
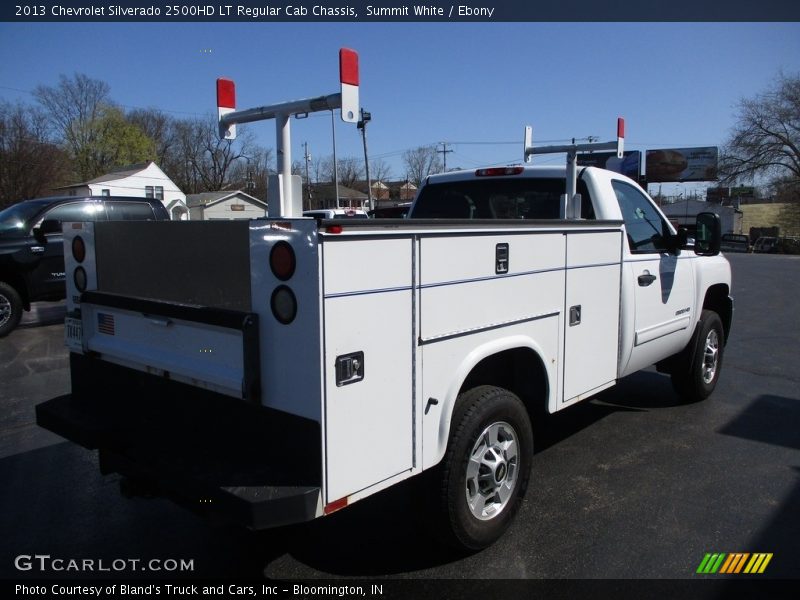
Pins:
x: 32, y: 245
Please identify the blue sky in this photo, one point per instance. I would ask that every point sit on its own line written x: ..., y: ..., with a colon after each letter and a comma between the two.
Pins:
x: 676, y: 84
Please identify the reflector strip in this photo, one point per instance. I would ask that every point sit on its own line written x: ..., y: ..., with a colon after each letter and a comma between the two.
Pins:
x: 335, y: 505
x: 348, y: 66
x: 620, y: 127
x: 226, y: 93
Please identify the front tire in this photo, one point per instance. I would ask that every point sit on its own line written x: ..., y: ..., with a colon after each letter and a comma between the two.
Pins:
x: 486, y: 468
x: 699, y: 380
x: 10, y: 308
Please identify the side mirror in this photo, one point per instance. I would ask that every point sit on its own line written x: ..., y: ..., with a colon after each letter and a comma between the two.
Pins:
x: 709, y: 235
x: 49, y: 226
x: 678, y: 241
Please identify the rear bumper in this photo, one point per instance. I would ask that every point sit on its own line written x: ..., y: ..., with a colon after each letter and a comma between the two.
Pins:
x: 210, y: 453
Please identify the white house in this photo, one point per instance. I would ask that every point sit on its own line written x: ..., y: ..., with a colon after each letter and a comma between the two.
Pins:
x: 144, y: 180
x: 211, y: 206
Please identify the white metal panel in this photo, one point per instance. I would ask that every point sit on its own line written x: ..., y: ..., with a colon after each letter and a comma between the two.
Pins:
x: 593, y: 284
x: 448, y: 362
x: 203, y: 355
x: 291, y: 355
x: 461, y: 292
x: 367, y: 266
x: 664, y: 310
x: 592, y: 248
x: 591, y: 347
x: 369, y: 429
x: 447, y: 259
x: 460, y: 308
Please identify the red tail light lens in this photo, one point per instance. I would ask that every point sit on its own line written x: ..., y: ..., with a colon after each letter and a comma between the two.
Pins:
x: 282, y: 260
x: 78, y: 249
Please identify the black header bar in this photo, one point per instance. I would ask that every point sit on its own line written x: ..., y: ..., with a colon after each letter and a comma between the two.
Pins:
x: 307, y: 11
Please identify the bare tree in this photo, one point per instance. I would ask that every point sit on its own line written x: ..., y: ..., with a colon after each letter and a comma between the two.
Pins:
x: 380, y: 170
x: 421, y: 162
x: 73, y: 107
x: 766, y: 138
x: 351, y: 170
x: 207, y: 161
x: 30, y: 163
x: 250, y: 173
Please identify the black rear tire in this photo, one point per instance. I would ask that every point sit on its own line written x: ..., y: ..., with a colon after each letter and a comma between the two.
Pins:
x: 10, y: 308
x: 697, y: 381
x: 485, y: 471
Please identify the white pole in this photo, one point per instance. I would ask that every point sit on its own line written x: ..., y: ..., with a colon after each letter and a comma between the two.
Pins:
x: 284, y: 151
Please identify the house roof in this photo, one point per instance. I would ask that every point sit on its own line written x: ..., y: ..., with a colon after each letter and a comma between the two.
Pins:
x: 326, y: 190
x: 118, y: 173
x: 121, y: 173
x: 206, y: 199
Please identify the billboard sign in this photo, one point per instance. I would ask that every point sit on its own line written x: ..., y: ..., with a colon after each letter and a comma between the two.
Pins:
x: 629, y: 165
x: 681, y: 164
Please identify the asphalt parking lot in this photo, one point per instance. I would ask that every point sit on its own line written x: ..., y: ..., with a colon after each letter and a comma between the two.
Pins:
x: 632, y: 484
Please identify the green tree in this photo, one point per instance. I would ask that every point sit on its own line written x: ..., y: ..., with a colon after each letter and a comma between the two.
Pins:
x: 115, y: 142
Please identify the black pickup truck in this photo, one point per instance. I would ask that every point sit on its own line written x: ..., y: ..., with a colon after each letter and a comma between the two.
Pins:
x: 32, y: 249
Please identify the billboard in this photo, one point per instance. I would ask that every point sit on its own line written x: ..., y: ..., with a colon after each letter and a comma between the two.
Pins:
x: 629, y: 165
x: 681, y: 164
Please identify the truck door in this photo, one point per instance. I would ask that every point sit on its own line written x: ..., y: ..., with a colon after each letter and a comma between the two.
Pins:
x: 658, y: 285
x: 47, y: 278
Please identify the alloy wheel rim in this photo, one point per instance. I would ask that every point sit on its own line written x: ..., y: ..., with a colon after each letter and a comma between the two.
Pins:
x: 492, y: 471
x: 710, y: 356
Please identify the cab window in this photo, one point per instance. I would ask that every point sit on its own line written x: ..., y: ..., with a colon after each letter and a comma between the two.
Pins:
x: 647, y: 231
x: 129, y: 211
x: 75, y: 212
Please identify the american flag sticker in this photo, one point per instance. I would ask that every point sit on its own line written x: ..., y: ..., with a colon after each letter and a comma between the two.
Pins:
x: 105, y: 323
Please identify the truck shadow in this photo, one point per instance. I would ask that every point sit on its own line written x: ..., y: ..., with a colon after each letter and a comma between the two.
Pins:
x: 390, y: 533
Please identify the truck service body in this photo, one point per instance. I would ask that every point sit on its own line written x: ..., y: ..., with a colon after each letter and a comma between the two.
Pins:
x: 280, y: 369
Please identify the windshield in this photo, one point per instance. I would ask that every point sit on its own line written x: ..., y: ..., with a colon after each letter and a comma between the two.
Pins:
x: 17, y: 218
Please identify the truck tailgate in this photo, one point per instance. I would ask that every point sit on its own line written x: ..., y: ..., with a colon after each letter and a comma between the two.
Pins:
x: 211, y: 348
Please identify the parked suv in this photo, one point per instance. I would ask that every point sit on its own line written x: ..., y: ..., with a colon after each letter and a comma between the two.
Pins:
x: 735, y: 242
x: 32, y: 249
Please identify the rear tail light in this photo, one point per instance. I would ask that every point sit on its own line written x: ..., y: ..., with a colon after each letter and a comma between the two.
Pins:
x: 284, y: 304
x: 282, y: 260
x: 78, y: 249
x: 79, y: 277
x: 499, y: 171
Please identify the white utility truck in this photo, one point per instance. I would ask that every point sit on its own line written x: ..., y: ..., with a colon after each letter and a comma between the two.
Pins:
x: 281, y: 369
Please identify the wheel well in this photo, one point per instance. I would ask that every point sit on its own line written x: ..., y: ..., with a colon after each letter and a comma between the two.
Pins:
x: 718, y: 299
x: 18, y: 283
x: 520, y: 371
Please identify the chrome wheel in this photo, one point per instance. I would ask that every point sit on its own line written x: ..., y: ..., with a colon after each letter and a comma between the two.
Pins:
x: 5, y: 310
x: 710, y: 356
x: 492, y: 471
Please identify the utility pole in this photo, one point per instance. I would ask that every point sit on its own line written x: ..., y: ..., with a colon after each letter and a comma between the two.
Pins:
x: 307, y: 158
x: 444, y: 152
x: 362, y: 125
x: 335, y: 164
